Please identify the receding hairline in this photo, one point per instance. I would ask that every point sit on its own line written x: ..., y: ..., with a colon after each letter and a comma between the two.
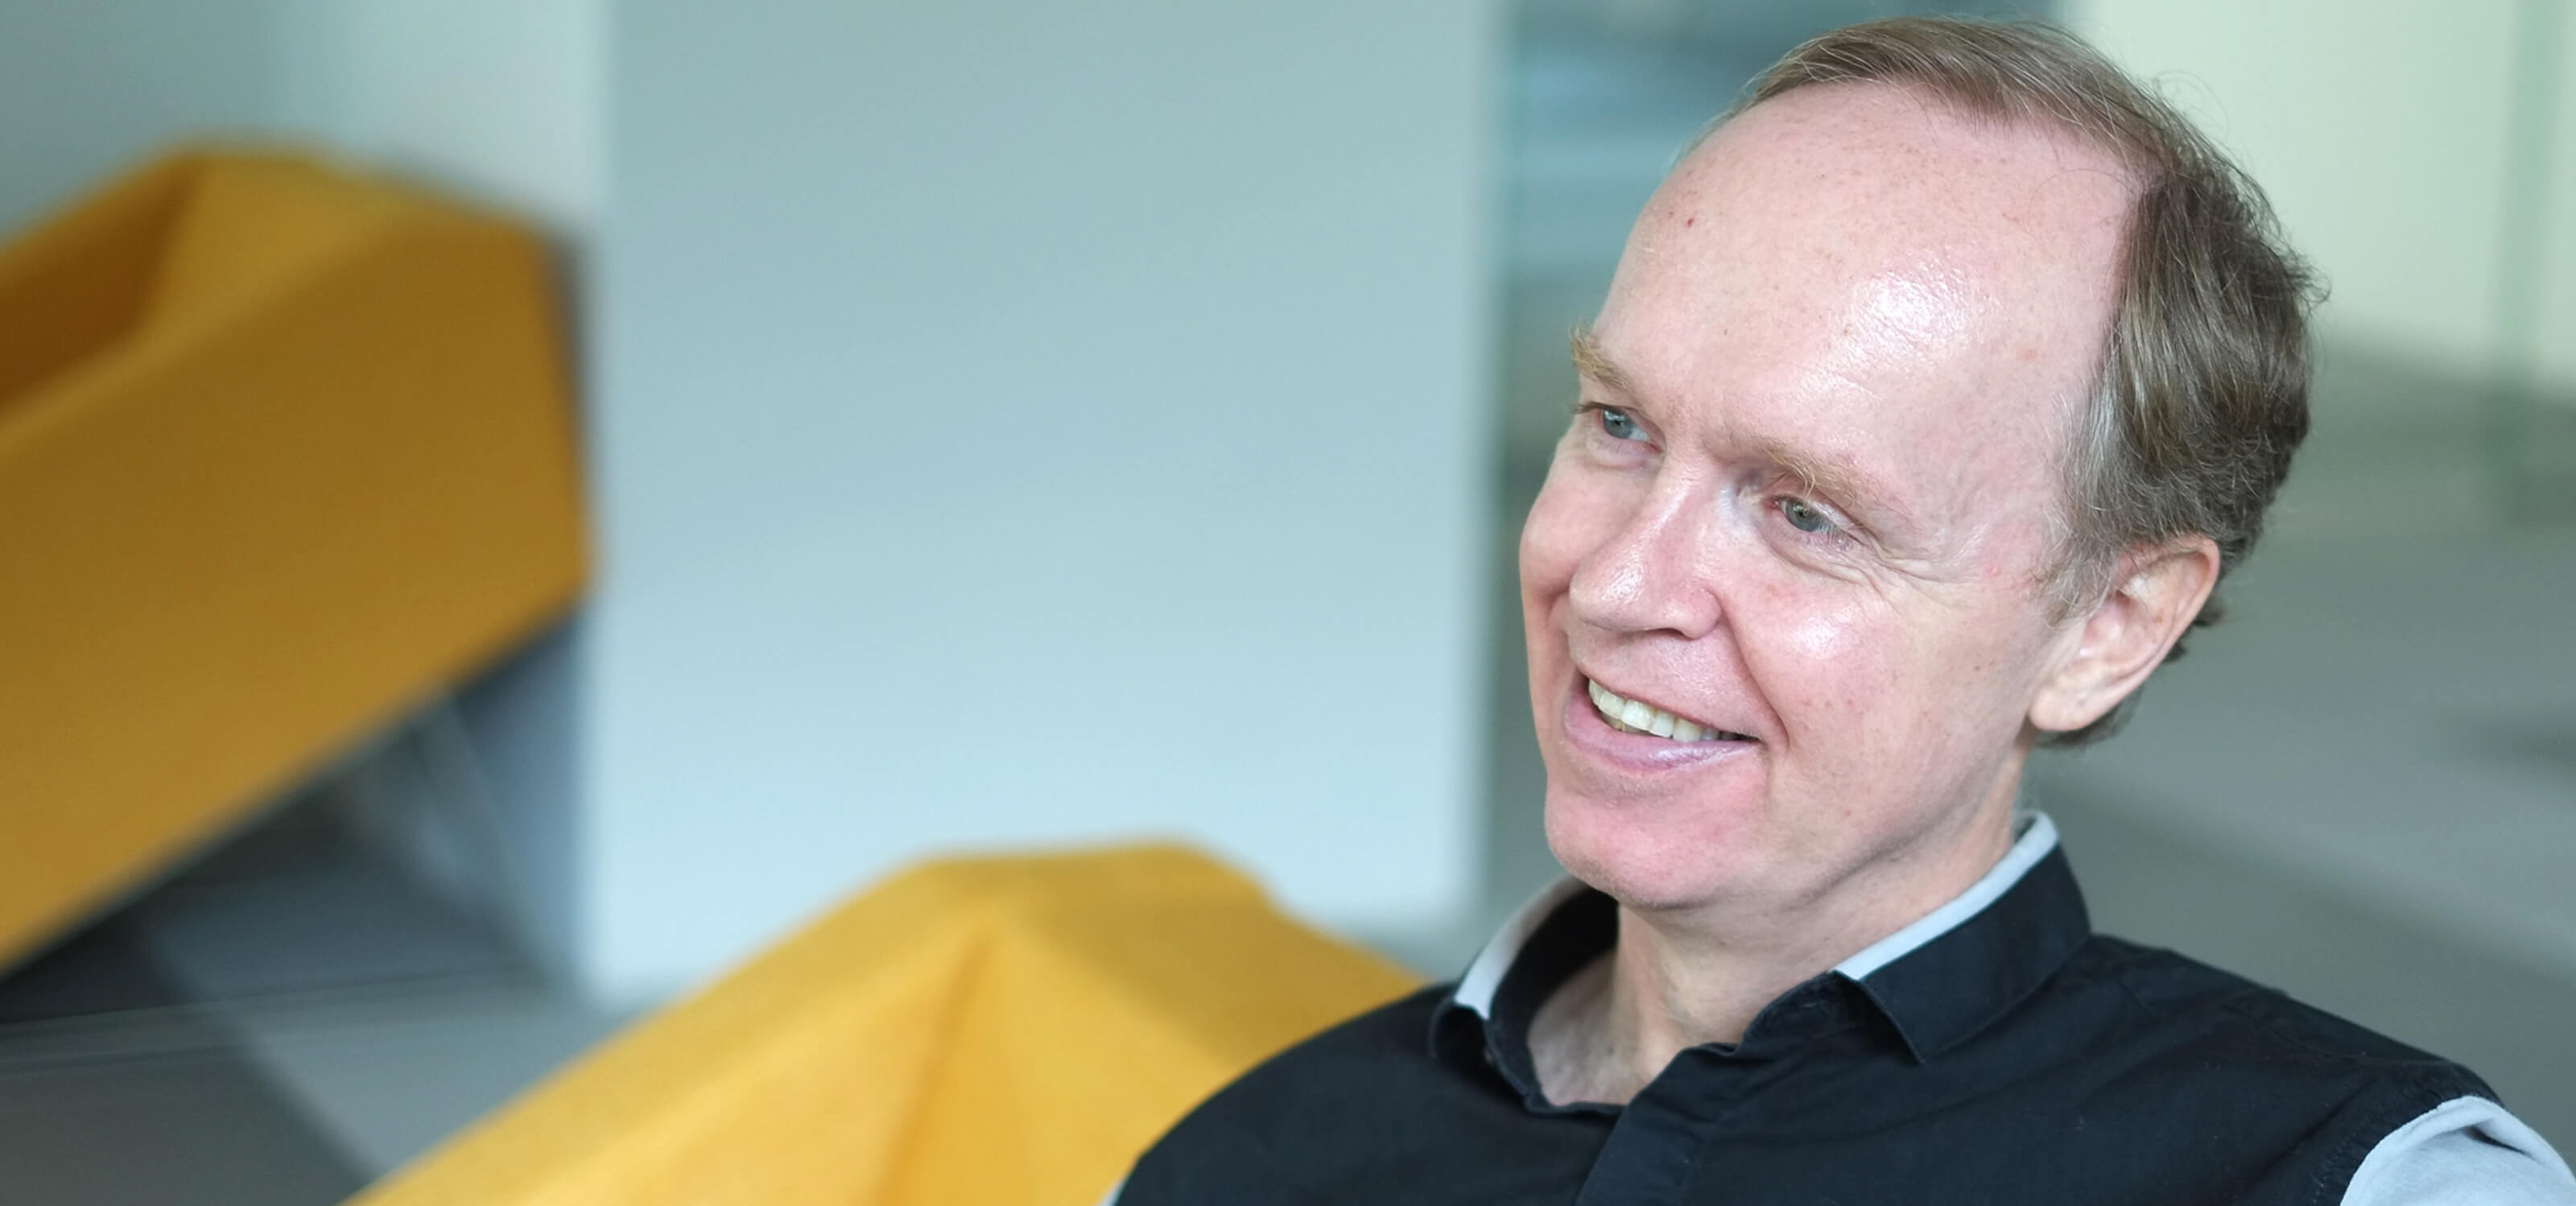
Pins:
x: 2016, y: 72
x: 2132, y: 168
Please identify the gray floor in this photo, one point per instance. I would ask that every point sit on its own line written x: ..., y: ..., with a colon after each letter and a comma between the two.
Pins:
x: 114, y: 1088
x: 288, y: 1019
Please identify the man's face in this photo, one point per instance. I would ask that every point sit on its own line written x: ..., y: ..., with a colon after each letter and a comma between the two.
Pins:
x: 1807, y: 504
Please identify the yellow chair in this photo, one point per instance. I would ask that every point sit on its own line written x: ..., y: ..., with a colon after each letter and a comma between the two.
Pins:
x: 991, y: 1031
x: 282, y: 451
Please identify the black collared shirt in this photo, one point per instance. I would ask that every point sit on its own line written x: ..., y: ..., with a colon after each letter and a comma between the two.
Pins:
x: 1996, y: 1051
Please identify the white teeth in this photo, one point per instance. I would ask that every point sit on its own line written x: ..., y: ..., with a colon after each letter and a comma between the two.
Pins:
x: 1632, y: 716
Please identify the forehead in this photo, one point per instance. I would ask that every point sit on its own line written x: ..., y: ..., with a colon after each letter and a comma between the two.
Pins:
x: 1859, y: 268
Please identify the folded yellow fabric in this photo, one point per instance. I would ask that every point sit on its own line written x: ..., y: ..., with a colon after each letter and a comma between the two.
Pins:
x: 1003, y: 1031
x: 282, y: 451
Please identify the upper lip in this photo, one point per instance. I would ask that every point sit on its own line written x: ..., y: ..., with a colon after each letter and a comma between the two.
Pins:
x: 1652, y: 702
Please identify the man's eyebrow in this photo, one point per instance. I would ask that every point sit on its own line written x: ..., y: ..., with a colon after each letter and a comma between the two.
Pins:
x: 1824, y: 474
x: 1596, y: 364
x: 1836, y: 479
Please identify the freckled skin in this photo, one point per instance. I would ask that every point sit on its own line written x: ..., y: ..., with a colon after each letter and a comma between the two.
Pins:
x: 1859, y: 275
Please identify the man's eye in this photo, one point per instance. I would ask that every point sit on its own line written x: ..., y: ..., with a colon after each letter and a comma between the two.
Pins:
x: 1805, y: 518
x: 1618, y: 425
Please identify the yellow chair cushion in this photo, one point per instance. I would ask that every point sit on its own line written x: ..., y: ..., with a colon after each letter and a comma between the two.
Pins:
x: 282, y: 452
x: 1005, y: 1030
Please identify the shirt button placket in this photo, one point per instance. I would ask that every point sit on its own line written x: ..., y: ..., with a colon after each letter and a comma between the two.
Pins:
x: 1656, y: 1145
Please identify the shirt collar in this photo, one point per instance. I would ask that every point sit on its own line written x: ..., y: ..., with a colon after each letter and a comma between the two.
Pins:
x: 1946, y: 976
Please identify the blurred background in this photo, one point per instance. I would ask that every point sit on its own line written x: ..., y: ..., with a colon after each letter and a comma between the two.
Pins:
x: 1011, y: 425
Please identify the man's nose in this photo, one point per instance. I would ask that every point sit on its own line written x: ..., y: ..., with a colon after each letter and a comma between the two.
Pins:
x: 1652, y: 573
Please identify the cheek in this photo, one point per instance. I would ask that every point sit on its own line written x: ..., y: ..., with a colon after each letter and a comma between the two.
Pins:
x: 1859, y: 682
x: 1826, y: 637
x: 1565, y: 524
x: 1887, y: 688
x: 1548, y: 557
x: 1543, y: 571
x: 1829, y: 663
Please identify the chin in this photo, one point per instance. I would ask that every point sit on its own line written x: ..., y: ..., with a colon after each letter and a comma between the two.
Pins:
x: 1647, y: 861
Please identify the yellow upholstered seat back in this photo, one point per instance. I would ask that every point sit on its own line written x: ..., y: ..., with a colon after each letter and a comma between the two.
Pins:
x: 996, y: 1031
x: 282, y: 452
x: 252, y: 227
x: 73, y: 287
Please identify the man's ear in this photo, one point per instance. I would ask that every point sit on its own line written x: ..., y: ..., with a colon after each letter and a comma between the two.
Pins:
x: 2153, y: 599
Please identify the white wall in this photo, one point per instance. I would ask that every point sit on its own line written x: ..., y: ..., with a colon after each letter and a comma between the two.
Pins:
x: 502, y: 100
x: 498, y: 99
x: 1020, y: 424
x: 2381, y: 133
x: 89, y: 88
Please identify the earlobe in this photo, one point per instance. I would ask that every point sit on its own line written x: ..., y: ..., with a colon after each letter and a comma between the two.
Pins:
x: 2153, y: 599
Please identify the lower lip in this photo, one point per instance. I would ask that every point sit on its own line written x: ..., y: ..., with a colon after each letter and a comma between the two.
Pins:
x: 1639, y: 753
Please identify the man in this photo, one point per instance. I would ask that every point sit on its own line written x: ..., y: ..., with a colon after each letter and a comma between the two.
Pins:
x: 1936, y: 389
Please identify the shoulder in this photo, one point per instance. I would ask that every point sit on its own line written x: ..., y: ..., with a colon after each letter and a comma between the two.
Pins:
x: 2201, y: 1006
x: 2215, y: 1034
x: 2382, y: 1122
x: 2467, y: 1151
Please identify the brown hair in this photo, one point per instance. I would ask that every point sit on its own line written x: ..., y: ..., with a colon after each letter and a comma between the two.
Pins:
x: 2202, y: 394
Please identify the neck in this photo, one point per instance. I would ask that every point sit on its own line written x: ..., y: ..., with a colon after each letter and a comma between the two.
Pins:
x: 1682, y: 978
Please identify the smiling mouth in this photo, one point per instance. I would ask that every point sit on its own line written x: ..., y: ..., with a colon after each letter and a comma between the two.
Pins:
x: 1638, y: 716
